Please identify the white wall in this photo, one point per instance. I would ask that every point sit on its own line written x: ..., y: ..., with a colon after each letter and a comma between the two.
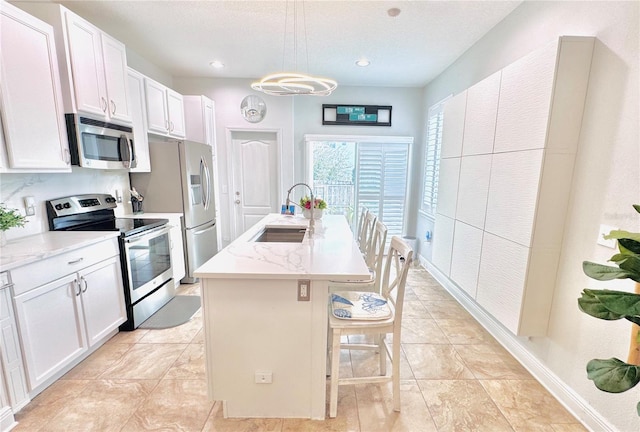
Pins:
x: 606, y: 177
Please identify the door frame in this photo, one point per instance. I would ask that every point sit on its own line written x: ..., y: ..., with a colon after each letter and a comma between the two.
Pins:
x: 233, y: 231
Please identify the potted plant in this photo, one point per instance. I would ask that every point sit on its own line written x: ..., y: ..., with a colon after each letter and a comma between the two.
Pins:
x: 318, y: 206
x: 614, y: 375
x: 9, y: 218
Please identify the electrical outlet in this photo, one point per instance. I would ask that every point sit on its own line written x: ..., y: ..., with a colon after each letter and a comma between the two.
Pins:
x: 304, y: 290
x: 29, y: 206
x: 604, y: 230
x: 263, y: 377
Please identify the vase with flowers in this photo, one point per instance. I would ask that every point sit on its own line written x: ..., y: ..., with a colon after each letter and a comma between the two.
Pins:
x: 318, y: 206
x: 9, y: 218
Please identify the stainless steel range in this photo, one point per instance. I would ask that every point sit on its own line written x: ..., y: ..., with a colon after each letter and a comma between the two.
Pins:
x: 145, y: 249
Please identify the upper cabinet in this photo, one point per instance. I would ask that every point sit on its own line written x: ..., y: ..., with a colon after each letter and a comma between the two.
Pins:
x: 165, y: 110
x: 34, y: 134
x: 93, y: 65
x: 139, y: 115
x: 200, y: 119
x: 99, y: 69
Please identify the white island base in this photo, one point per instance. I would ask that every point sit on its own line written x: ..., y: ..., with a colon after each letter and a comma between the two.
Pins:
x: 265, y: 349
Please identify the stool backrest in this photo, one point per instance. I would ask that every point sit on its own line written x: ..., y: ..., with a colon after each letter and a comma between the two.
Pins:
x: 396, y: 268
x: 375, y: 254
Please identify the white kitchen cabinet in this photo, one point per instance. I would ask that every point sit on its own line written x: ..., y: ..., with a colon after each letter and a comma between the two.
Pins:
x: 526, y: 186
x: 199, y: 114
x: 165, y: 110
x: 63, y: 319
x: 99, y: 69
x: 473, y: 189
x: 139, y: 116
x: 448, y: 186
x: 453, y: 125
x: 480, y: 116
x: 443, y: 243
x: 10, y: 352
x: 30, y: 95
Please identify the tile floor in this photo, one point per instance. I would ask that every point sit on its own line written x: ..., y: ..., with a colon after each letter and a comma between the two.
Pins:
x: 455, y: 377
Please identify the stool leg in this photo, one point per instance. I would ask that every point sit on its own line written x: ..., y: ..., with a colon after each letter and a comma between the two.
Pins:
x: 382, y: 352
x: 395, y: 365
x: 335, y: 366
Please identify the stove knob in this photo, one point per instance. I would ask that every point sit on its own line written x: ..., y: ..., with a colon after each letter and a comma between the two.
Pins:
x: 67, y: 205
x: 58, y: 206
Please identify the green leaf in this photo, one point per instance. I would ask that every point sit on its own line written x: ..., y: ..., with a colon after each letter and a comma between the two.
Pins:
x: 604, y: 273
x: 591, y: 305
x: 635, y: 320
x: 631, y: 264
x: 637, y: 207
x: 619, y: 302
x: 618, y: 257
x: 620, y: 234
x: 630, y: 245
x: 638, y: 406
x: 613, y: 375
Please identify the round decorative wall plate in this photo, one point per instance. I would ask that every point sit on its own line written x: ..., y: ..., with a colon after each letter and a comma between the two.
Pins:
x: 253, y: 108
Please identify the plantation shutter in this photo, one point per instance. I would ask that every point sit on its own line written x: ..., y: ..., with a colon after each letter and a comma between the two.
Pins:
x: 381, y: 178
x: 432, y: 158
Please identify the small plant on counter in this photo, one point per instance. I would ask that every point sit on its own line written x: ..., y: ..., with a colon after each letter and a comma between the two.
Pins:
x: 613, y: 375
x: 305, y: 203
x: 10, y: 218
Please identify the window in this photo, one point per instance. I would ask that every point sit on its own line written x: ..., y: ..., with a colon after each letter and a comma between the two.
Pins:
x: 351, y: 172
x: 432, y: 157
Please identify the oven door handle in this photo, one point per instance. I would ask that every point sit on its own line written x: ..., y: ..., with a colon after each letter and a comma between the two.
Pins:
x: 151, y: 233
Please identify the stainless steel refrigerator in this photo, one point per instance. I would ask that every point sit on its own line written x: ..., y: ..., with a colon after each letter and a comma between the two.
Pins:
x: 181, y: 181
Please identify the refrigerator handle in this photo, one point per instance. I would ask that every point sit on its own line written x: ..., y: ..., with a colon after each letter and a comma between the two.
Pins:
x: 204, y: 172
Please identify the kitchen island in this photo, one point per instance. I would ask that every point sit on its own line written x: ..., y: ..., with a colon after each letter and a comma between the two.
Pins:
x: 265, y: 347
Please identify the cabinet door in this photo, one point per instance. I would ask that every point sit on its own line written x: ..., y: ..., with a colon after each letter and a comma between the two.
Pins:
x: 443, y: 243
x: 102, y: 298
x: 51, y: 328
x: 85, y: 47
x: 156, y: 101
x: 138, y: 115
x: 11, y: 354
x: 176, y: 114
x: 453, y: 125
x: 115, y: 71
x: 177, y: 251
x: 209, y: 123
x: 30, y: 94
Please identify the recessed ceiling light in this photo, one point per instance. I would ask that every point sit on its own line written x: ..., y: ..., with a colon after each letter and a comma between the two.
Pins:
x: 216, y: 64
x: 393, y: 12
x: 363, y: 62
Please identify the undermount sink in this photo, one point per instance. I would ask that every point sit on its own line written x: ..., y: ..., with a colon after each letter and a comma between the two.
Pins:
x: 281, y: 235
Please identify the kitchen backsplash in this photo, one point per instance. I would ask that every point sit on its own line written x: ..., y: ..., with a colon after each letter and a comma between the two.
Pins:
x: 42, y: 187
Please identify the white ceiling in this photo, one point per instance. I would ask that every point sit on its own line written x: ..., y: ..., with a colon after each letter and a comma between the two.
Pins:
x: 248, y: 36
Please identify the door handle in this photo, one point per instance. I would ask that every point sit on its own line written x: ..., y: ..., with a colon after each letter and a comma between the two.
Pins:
x: 237, y: 201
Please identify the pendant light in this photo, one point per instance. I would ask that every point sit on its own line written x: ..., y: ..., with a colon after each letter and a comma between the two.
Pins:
x: 295, y: 83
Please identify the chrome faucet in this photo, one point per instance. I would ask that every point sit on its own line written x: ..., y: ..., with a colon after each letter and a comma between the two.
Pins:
x: 313, y: 203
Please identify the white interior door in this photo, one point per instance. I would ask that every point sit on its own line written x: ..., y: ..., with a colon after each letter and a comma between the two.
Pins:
x: 254, y: 158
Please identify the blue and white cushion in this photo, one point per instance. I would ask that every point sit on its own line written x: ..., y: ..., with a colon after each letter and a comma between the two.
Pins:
x: 359, y: 306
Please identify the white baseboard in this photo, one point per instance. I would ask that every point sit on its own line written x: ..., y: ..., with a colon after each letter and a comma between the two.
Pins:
x: 7, y: 422
x: 571, y: 400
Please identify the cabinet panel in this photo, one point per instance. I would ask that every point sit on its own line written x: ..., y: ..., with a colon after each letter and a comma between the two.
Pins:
x: 501, y: 281
x: 177, y: 250
x: 51, y: 328
x: 157, y: 114
x: 525, y: 101
x: 480, y: 116
x: 473, y: 189
x: 465, y: 258
x: 30, y: 93
x: 176, y: 114
x: 453, y: 126
x: 443, y: 243
x: 115, y: 70
x: 102, y: 299
x: 513, y: 195
x: 139, y: 117
x: 448, y: 186
x: 11, y: 353
x: 87, y: 67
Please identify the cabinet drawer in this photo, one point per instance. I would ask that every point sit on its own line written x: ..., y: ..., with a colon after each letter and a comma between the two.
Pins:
x: 33, y: 275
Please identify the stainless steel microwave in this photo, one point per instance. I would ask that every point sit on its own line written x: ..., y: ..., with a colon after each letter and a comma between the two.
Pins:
x: 99, y: 144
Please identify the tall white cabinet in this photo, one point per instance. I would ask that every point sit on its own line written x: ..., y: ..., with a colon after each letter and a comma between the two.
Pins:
x: 505, y: 182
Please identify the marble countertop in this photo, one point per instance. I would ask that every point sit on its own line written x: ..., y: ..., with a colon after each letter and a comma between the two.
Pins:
x: 330, y: 252
x: 25, y: 250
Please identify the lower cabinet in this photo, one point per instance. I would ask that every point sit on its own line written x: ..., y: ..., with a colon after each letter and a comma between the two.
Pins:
x: 61, y: 320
